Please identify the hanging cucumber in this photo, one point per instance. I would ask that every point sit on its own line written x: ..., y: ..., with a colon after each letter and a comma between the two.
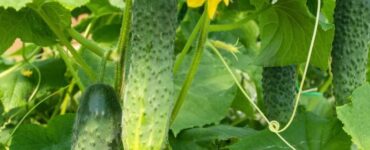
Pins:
x: 97, y: 125
x: 350, y: 47
x: 279, y: 90
x: 149, y: 90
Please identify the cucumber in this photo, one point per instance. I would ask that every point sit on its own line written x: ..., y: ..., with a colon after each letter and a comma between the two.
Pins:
x: 279, y: 90
x: 148, y: 97
x: 350, y: 47
x: 97, y: 125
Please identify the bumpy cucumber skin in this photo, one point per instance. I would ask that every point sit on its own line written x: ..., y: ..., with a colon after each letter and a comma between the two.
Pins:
x: 97, y: 125
x: 350, y: 47
x: 149, y: 92
x: 279, y: 90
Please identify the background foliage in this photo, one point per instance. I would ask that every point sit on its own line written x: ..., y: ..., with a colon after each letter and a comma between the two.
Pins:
x: 215, y: 114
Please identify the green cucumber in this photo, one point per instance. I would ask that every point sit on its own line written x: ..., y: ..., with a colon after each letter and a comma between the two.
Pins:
x: 279, y: 90
x: 148, y: 98
x: 97, y: 125
x: 350, y: 47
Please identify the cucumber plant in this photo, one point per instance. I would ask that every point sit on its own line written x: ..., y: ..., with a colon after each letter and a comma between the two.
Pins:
x: 98, y: 120
x: 149, y: 90
x: 350, y: 47
x: 279, y: 90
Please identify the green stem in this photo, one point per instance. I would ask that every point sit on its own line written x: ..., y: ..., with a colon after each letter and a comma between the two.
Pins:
x: 189, y: 42
x: 65, y: 42
x: 29, y: 112
x: 67, y: 98
x: 122, y: 46
x: 94, y: 47
x: 327, y: 83
x: 239, y: 24
x: 102, y: 66
x: 193, y: 68
x: 70, y: 67
x: 232, y: 26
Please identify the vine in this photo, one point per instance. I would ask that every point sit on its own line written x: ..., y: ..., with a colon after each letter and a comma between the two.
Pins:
x: 274, y: 126
x: 193, y: 68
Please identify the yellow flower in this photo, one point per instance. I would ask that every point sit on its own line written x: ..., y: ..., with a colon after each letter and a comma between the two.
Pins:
x: 212, y: 5
x: 27, y: 72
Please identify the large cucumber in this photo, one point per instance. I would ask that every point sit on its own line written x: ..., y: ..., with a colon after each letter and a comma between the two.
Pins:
x: 350, y: 47
x: 97, y: 125
x: 279, y: 90
x: 149, y: 91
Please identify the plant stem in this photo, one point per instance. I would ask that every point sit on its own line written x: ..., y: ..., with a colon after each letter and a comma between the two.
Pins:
x: 232, y: 26
x: 65, y: 42
x: 70, y: 67
x: 122, y: 46
x: 67, y: 98
x: 193, y: 68
x: 29, y: 112
x: 239, y: 24
x: 94, y: 47
x: 103, y: 65
x: 189, y: 42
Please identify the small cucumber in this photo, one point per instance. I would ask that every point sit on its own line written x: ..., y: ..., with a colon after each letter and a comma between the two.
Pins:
x: 97, y: 125
x: 279, y: 90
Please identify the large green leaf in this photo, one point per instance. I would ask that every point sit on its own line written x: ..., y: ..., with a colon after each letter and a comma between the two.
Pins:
x: 16, y: 4
x: 14, y: 90
x: 308, y: 132
x: 208, y: 137
x: 52, y: 73
x: 316, y: 103
x: 58, y: 15
x: 55, y: 136
x: 28, y: 26
x: 71, y: 4
x: 117, y: 3
x: 286, y: 31
x: 210, y: 96
x: 101, y: 7
x: 355, y: 117
x: 95, y: 62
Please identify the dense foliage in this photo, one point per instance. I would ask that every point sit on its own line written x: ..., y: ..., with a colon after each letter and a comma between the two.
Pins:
x: 184, y: 74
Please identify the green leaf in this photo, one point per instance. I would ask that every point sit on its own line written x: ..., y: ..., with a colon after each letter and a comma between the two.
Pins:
x: 52, y: 74
x: 203, y: 138
x: 208, y: 99
x: 242, y: 104
x: 355, y: 117
x: 55, y: 136
x: 286, y: 31
x: 95, y: 62
x: 308, y: 132
x: 16, y: 4
x: 107, y: 33
x: 72, y: 4
x: 14, y: 90
x: 58, y: 15
x: 316, y: 103
x: 28, y: 26
x: 117, y: 3
x: 101, y: 7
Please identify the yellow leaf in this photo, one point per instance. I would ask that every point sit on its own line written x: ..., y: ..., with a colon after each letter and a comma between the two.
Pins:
x: 195, y: 3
